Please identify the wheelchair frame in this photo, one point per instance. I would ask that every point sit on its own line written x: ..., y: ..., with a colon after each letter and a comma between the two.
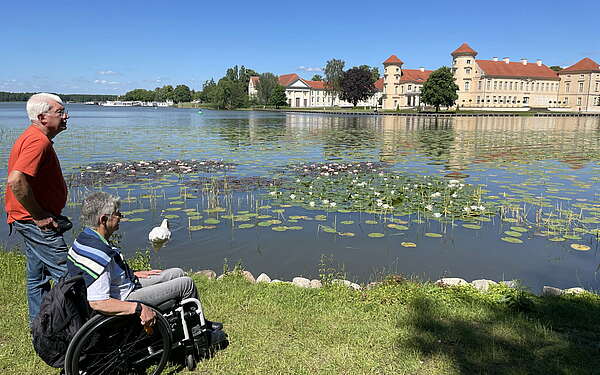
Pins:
x: 119, y: 344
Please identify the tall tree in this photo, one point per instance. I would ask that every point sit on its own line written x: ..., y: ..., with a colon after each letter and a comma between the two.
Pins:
x: 278, y: 98
x: 316, y: 77
x: 357, y: 85
x: 440, y: 89
x: 230, y: 94
x: 208, y: 90
x: 374, y: 71
x: 334, y: 69
x: 265, y: 86
x: 556, y: 68
x: 165, y: 93
x: 182, y: 94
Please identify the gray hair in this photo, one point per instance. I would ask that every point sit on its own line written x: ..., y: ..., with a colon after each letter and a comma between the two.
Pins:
x: 40, y: 103
x: 96, y: 205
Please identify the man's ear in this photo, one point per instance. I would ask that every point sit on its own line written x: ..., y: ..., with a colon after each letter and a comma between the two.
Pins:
x: 103, y: 219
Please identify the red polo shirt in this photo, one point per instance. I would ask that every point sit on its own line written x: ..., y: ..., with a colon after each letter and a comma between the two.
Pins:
x: 34, y: 155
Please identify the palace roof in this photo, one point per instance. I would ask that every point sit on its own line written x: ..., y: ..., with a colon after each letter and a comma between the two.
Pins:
x: 379, y: 84
x: 414, y: 75
x: 254, y: 80
x: 393, y: 60
x: 516, y: 69
x: 317, y: 85
x: 464, y: 50
x: 287, y: 79
x: 583, y: 65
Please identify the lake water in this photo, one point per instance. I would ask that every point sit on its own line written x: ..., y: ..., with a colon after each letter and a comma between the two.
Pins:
x: 541, y: 175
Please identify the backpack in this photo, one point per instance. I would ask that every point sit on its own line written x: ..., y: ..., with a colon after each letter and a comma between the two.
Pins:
x: 63, y: 311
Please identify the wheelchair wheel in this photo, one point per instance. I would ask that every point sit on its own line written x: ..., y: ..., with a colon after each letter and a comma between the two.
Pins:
x: 119, y: 345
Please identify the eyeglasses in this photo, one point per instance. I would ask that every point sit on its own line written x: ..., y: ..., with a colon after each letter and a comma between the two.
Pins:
x: 60, y: 113
x: 117, y: 214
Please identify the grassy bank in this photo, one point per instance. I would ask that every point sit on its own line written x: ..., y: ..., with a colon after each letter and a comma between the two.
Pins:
x: 398, y: 327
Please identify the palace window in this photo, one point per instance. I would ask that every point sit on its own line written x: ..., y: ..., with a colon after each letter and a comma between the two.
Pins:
x: 487, y: 99
x: 597, y: 86
x: 478, y: 99
x: 495, y: 85
x: 468, y: 61
x: 468, y: 70
x: 402, y: 89
x: 409, y: 87
x: 521, y: 86
x: 578, y: 101
x: 567, y: 86
x: 395, y: 89
x: 525, y: 100
x: 580, y: 86
x: 505, y: 85
x: 479, y: 85
x: 495, y: 101
x: 467, y: 85
x: 488, y: 84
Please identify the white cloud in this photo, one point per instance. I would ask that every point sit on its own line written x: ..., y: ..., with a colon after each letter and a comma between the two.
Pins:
x: 107, y: 72
x: 105, y: 82
x: 309, y: 69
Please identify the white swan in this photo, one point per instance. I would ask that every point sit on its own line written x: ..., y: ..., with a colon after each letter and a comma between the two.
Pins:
x: 160, y: 235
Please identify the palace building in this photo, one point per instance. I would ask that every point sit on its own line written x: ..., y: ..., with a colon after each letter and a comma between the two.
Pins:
x: 500, y: 84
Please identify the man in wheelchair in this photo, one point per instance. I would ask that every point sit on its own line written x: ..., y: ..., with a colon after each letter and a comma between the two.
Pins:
x: 114, y: 289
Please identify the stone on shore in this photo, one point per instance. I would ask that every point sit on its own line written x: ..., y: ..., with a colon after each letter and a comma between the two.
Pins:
x: 248, y: 276
x: 551, y: 291
x: 355, y: 286
x: 315, y: 283
x: 276, y: 281
x: 511, y: 283
x: 301, y: 282
x: 483, y: 285
x: 451, y: 281
x: 209, y: 274
x: 341, y: 282
x: 263, y: 278
x: 574, y: 291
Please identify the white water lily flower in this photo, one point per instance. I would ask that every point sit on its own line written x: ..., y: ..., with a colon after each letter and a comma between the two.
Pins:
x: 386, y: 206
x: 454, y: 195
x: 385, y: 179
x: 429, y: 207
x: 298, y: 180
x: 312, y: 204
x: 474, y: 208
x: 379, y: 204
x: 467, y: 209
x: 332, y: 204
x: 377, y: 193
x: 325, y: 174
x: 393, y: 192
x: 436, y: 194
x: 437, y: 214
x: 481, y: 208
x: 454, y: 182
x: 310, y: 193
x: 379, y: 201
x: 273, y: 193
x: 325, y: 201
x: 292, y: 196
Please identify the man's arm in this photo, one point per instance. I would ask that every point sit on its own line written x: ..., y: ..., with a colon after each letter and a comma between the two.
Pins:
x: 20, y: 187
x: 114, y: 306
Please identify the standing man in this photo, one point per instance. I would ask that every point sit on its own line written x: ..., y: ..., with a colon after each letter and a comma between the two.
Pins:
x: 36, y: 193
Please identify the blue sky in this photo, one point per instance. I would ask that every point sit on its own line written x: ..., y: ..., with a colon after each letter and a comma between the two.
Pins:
x: 112, y: 47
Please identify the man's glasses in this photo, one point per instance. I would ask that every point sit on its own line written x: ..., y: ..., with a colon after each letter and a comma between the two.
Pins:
x: 60, y: 113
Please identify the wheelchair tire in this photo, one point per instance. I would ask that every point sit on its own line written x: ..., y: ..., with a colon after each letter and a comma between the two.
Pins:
x: 119, y: 345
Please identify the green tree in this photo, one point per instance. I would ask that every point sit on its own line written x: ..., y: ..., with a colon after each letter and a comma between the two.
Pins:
x: 165, y: 93
x: 182, y: 94
x: 334, y: 70
x: 278, y: 98
x: 440, y: 89
x: 317, y: 77
x: 229, y: 94
x: 357, y: 85
x: 265, y: 86
x: 374, y: 71
x: 208, y: 90
x: 139, y: 95
x: 556, y: 68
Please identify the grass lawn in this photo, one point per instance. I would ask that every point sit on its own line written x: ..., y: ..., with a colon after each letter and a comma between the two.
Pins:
x: 398, y: 327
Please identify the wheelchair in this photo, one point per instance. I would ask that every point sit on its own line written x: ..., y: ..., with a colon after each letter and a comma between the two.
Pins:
x: 119, y: 344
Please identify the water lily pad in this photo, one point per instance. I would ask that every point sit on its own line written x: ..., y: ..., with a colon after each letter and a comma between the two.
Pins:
x: 376, y: 235
x: 173, y: 209
x: 513, y: 233
x: 511, y: 239
x: 263, y: 216
x: 295, y: 227
x: 556, y: 239
x: 246, y: 226
x: 519, y: 229
x: 136, y: 219
x: 347, y: 234
x: 347, y: 222
x: 472, y: 226
x: 320, y: 217
x: 433, y: 235
x: 510, y: 220
x: 171, y: 216
x: 212, y: 221
x: 176, y: 202
x: 278, y: 210
x: 408, y: 244
x: 371, y: 222
x: 280, y: 228
x: 580, y: 247
x: 265, y: 223
x: 327, y: 229
x: 397, y: 226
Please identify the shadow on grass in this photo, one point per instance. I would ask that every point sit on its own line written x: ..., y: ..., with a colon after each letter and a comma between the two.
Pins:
x: 559, y: 336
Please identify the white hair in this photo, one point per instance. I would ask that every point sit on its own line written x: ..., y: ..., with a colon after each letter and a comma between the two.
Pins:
x: 40, y: 103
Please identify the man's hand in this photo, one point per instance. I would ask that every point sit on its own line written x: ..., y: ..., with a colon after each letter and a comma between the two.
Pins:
x: 47, y: 223
x: 147, y: 316
x: 146, y: 274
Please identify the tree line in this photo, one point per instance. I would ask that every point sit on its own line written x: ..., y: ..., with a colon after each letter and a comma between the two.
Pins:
x: 75, y: 98
x: 179, y: 94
